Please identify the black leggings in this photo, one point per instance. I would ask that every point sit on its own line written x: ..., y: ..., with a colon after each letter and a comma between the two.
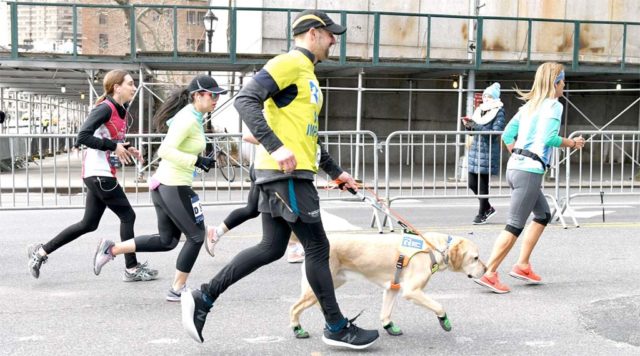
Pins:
x: 176, y: 216
x: 249, y: 211
x: 275, y: 236
x: 479, y: 184
x: 102, y: 193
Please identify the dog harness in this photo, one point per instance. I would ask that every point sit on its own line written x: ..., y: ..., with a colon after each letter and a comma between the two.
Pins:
x: 411, y: 245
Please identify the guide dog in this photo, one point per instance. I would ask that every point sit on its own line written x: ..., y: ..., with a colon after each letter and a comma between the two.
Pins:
x: 375, y: 257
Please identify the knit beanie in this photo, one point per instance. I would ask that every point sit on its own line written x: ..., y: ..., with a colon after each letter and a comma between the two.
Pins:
x: 493, y: 90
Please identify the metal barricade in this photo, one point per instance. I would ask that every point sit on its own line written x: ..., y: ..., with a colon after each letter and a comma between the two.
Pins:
x: 27, y: 177
x: 607, y: 167
x: 429, y: 165
x: 45, y: 171
x: 355, y: 152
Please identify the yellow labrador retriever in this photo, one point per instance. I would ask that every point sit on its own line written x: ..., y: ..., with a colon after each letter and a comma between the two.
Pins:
x: 375, y: 256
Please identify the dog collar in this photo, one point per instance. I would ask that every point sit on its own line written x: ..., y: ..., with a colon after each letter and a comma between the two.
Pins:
x: 435, y: 266
x: 445, y: 253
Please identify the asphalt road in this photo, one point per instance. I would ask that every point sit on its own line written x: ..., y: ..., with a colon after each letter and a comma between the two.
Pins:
x: 589, y: 304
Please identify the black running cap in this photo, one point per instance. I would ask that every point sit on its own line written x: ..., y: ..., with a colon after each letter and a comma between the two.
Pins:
x: 309, y: 19
x: 205, y: 83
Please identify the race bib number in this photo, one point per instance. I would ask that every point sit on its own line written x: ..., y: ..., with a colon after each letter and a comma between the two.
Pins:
x: 412, y: 242
x: 114, y: 161
x: 197, y: 209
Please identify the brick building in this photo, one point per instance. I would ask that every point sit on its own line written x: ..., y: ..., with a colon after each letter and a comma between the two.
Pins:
x: 106, y: 30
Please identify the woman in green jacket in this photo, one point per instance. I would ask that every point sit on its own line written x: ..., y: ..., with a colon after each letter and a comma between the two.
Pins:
x: 177, y: 205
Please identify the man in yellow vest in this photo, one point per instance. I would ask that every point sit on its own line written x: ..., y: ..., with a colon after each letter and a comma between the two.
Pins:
x: 45, y: 125
x: 280, y: 106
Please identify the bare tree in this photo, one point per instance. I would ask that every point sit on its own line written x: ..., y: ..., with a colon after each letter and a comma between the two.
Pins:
x: 141, y: 20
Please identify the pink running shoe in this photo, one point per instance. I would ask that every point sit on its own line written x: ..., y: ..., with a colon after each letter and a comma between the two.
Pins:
x: 525, y: 274
x: 493, y: 283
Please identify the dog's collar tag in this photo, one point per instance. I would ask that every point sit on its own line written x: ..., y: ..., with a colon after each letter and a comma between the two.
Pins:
x: 435, y: 268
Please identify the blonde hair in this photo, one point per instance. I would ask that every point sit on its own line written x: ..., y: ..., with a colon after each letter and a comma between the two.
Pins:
x: 543, y: 86
x: 112, y: 78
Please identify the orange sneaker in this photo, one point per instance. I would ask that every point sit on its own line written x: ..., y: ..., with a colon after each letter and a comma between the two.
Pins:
x: 493, y: 283
x: 525, y: 274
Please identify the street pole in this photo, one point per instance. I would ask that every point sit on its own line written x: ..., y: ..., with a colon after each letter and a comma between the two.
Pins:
x: 210, y: 23
x: 209, y: 40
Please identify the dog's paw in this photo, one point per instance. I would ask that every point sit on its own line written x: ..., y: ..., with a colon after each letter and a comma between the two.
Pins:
x: 392, y: 329
x: 300, y: 333
x: 445, y: 323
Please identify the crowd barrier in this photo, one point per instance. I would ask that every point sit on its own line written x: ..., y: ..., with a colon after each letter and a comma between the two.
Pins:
x: 423, y: 165
x: 29, y: 175
x: 607, y: 168
x: 433, y: 165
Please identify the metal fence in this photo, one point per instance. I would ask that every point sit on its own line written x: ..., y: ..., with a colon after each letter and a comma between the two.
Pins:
x: 607, y: 168
x: 432, y: 165
x: 44, y: 171
x: 425, y: 41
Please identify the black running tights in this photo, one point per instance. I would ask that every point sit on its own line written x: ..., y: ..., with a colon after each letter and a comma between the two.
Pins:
x: 102, y: 193
x: 275, y: 236
x: 249, y: 211
x: 175, y: 212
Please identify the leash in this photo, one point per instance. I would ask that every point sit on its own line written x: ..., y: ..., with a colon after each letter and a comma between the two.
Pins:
x: 379, y: 205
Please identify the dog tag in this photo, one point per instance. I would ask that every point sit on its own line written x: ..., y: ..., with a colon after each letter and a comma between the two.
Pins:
x: 435, y: 268
x: 197, y: 209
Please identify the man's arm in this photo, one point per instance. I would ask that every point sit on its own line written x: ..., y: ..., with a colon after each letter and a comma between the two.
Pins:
x: 249, y: 104
x: 328, y: 164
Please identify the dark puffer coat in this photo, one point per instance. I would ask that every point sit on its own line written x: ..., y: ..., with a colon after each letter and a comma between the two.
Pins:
x: 479, y: 155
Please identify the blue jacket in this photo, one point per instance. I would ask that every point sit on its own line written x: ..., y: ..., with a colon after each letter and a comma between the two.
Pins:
x: 479, y: 151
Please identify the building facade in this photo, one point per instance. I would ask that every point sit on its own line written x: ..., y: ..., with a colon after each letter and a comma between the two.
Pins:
x: 106, y: 30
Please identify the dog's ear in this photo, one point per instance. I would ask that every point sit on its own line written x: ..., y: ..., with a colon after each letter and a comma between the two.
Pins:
x: 456, y: 255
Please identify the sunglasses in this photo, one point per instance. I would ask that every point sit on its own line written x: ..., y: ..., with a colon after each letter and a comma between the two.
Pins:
x: 213, y: 96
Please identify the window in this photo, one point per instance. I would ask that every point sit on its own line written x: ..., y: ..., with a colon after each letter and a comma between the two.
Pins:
x: 103, y: 41
x: 195, y: 45
x: 191, y: 44
x: 102, y: 18
x: 195, y: 17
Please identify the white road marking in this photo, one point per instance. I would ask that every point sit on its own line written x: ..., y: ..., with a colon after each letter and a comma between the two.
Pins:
x: 164, y: 341
x: 463, y: 340
x: 265, y: 340
x: 31, y: 338
x: 333, y: 222
x: 588, y: 214
x: 540, y: 343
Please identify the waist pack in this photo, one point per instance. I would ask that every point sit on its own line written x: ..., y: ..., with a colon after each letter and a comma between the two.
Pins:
x: 527, y: 153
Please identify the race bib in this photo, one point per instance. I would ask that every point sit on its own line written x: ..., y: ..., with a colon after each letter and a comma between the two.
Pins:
x: 197, y: 209
x: 410, y: 244
x: 114, y: 161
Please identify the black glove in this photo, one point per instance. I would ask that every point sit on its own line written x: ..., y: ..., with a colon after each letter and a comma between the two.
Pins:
x: 205, y: 163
